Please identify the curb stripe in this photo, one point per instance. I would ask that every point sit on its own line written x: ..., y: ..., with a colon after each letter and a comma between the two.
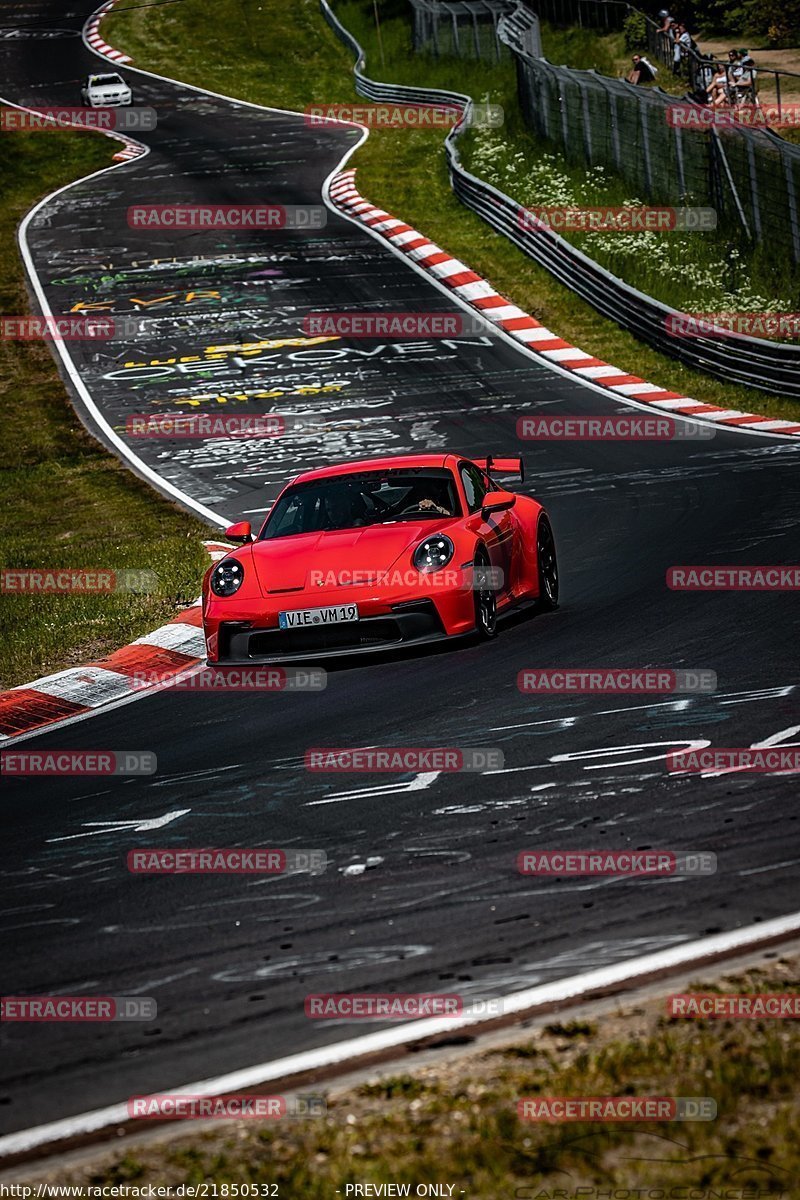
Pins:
x: 480, y: 294
x: 166, y: 651
x: 93, y: 35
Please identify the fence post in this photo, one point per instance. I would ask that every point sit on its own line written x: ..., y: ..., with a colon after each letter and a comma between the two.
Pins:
x: 614, y: 129
x: 648, y: 170
x: 728, y: 175
x: 543, y: 124
x: 587, y: 131
x: 751, y: 162
x: 792, y: 197
x: 679, y: 163
x: 562, y: 100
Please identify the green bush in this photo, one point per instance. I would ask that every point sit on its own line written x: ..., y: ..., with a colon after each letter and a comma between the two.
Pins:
x: 635, y: 30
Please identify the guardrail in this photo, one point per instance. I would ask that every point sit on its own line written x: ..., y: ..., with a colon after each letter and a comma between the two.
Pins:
x: 753, y: 362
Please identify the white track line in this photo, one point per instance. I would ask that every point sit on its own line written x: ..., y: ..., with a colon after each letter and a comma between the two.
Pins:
x: 562, y: 991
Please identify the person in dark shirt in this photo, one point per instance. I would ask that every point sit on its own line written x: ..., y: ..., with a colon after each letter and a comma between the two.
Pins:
x: 641, y: 71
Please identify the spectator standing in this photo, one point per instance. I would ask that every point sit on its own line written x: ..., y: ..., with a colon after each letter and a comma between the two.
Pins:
x: 666, y: 20
x: 665, y: 35
x: 681, y: 47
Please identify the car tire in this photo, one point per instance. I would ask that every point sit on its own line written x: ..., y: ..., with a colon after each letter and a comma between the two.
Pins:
x: 546, y: 565
x: 485, y: 602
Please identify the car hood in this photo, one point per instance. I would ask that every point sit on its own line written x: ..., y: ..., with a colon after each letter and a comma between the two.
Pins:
x: 286, y: 564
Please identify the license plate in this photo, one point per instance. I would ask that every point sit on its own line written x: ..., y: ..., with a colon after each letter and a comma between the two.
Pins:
x: 302, y: 618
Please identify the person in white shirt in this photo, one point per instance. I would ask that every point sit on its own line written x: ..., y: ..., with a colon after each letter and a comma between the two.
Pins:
x: 682, y: 46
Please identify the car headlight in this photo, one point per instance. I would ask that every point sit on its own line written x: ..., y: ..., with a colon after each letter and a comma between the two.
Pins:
x: 227, y: 577
x: 434, y: 553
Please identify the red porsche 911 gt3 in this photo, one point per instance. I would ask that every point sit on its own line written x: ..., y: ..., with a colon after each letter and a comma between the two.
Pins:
x: 376, y: 554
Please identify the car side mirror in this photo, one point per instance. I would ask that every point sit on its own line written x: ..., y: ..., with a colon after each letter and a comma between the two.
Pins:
x: 240, y: 532
x: 495, y: 502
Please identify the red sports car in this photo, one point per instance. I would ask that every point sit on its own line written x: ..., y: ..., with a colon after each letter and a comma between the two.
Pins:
x: 375, y: 554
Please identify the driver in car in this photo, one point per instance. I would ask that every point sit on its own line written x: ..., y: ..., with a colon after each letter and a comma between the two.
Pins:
x: 342, y: 509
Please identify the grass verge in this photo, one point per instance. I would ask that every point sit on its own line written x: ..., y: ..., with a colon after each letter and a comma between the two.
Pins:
x: 456, y: 1123
x: 68, y: 502
x: 285, y: 55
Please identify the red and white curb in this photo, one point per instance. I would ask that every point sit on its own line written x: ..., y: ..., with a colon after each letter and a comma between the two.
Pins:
x: 167, y: 651
x: 131, y: 150
x: 92, y: 32
x: 482, y: 297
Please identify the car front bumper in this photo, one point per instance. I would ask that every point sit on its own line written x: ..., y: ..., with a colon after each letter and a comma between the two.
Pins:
x: 235, y: 635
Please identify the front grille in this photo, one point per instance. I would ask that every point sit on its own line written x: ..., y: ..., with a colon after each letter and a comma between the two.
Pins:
x: 379, y: 631
x: 406, y: 623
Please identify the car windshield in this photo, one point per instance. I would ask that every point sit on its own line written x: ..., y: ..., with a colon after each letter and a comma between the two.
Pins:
x: 371, y: 498
x: 105, y: 80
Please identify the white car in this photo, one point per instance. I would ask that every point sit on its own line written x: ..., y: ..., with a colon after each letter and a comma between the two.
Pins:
x: 106, y: 91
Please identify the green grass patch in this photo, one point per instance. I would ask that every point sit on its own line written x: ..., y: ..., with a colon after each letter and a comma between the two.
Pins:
x: 585, y: 49
x: 284, y: 54
x: 456, y: 1122
x: 67, y: 502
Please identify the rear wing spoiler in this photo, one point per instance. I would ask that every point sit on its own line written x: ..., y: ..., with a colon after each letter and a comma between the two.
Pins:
x: 501, y: 466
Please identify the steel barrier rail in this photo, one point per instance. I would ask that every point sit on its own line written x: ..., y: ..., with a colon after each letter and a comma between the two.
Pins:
x: 754, y: 362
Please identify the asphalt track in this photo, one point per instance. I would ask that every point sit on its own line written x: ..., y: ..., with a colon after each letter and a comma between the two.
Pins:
x: 421, y: 893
